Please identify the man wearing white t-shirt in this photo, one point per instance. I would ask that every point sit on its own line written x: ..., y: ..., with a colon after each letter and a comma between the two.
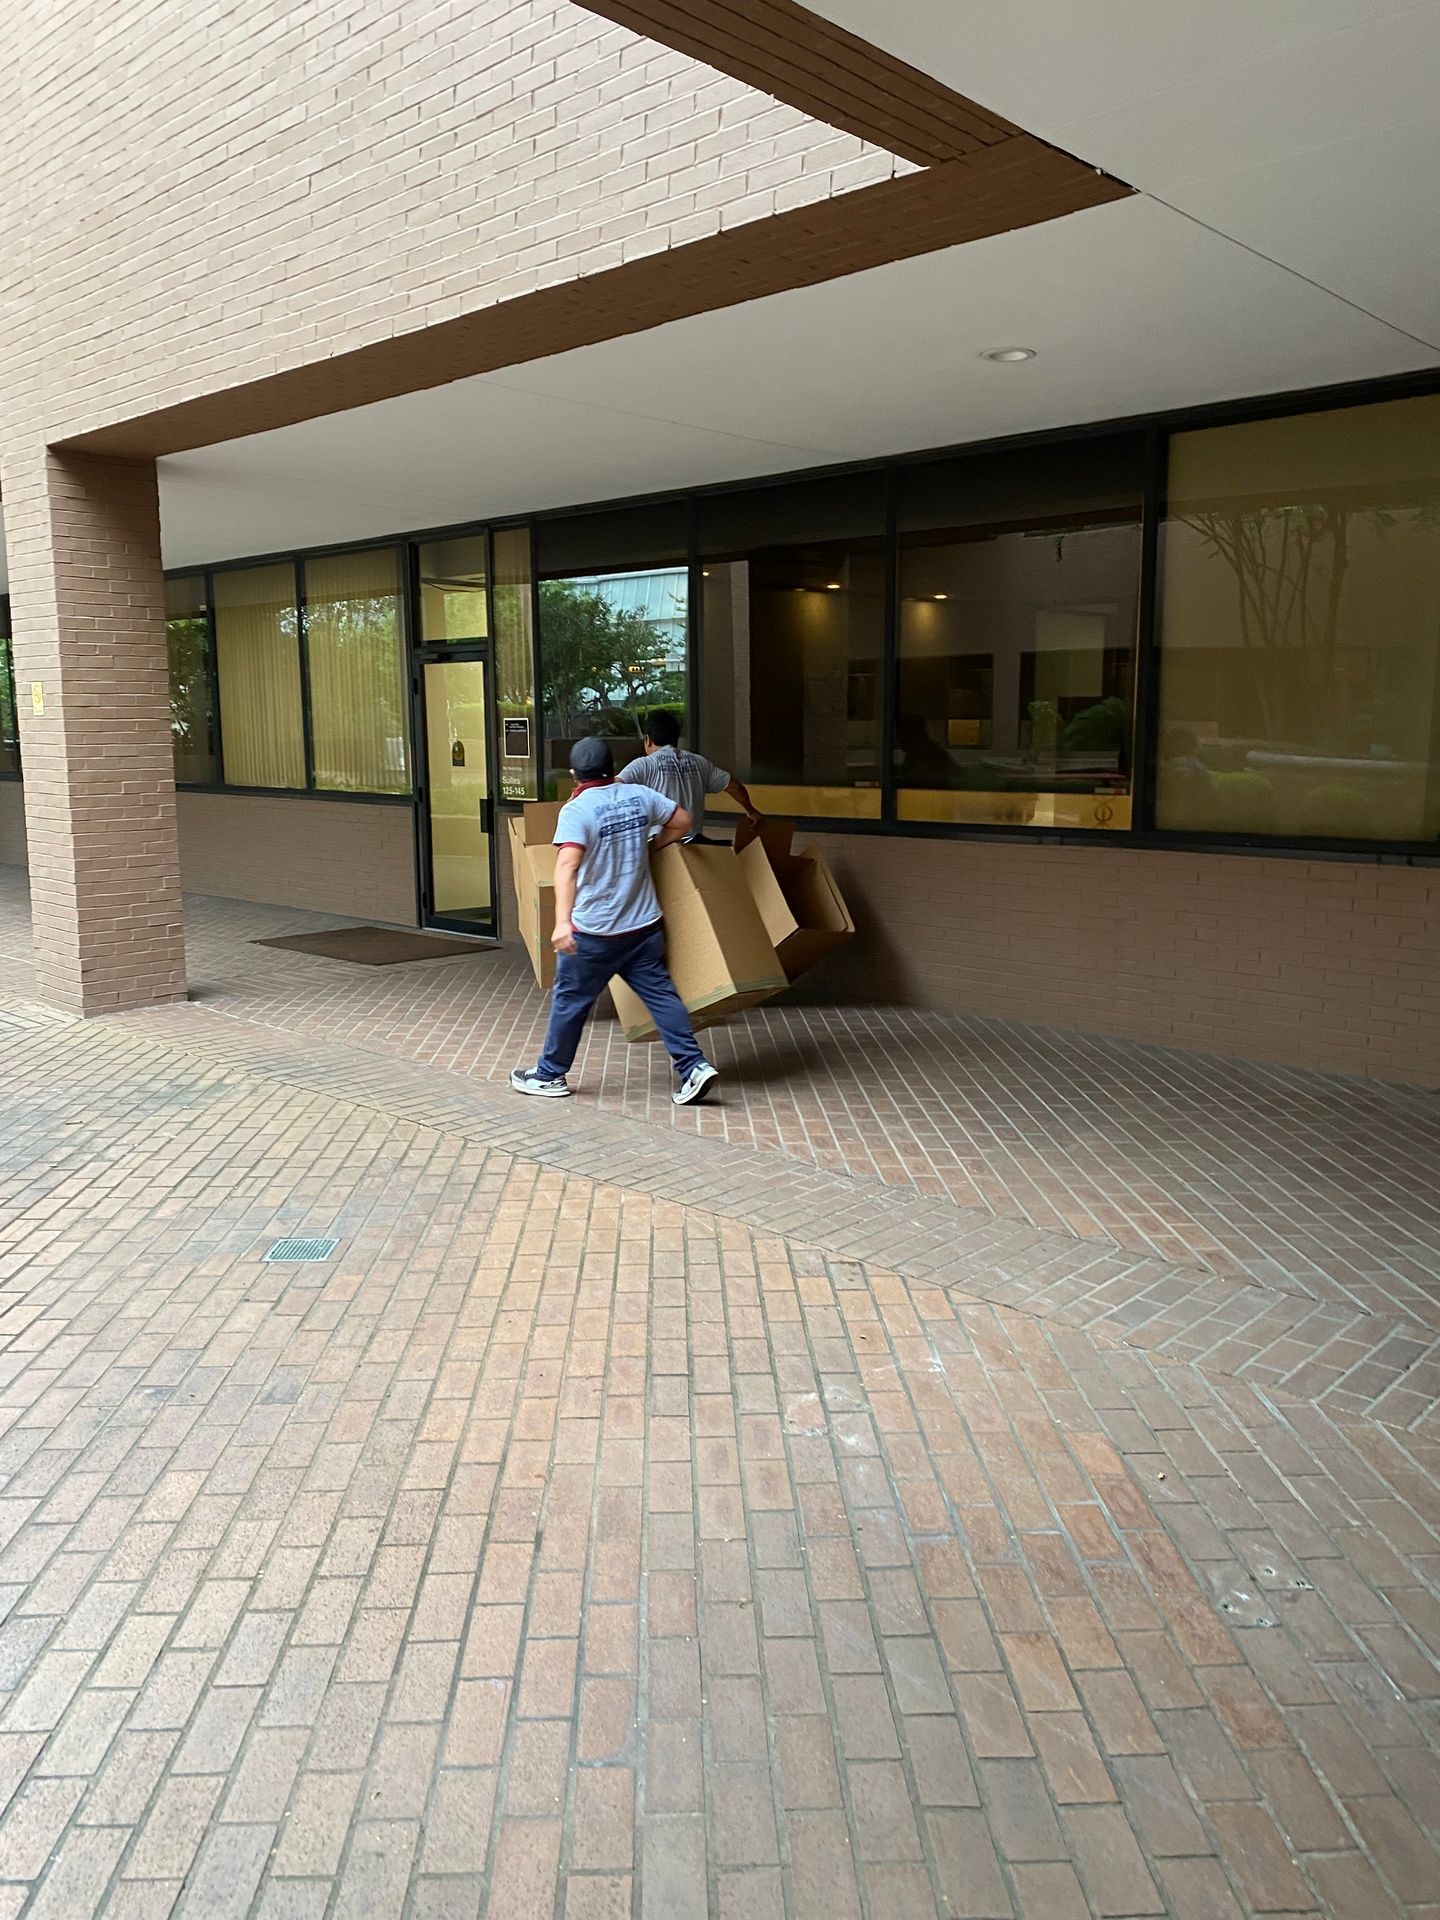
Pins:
x: 607, y: 922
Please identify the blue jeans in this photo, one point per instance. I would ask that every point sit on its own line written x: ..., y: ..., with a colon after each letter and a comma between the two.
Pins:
x: 580, y: 978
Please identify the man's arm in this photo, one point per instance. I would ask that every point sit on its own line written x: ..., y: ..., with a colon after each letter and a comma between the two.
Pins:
x: 567, y: 868
x: 741, y: 793
x: 675, y: 828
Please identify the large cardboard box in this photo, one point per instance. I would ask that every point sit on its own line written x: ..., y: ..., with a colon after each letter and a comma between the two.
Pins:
x: 720, y: 956
x: 532, y: 857
x: 803, y: 910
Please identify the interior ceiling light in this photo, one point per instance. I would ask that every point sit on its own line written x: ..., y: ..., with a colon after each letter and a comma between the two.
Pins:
x: 1005, y: 355
x: 942, y: 596
x: 832, y: 586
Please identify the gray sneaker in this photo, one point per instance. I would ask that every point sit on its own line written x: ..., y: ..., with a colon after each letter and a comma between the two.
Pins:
x: 696, y: 1084
x: 527, y: 1080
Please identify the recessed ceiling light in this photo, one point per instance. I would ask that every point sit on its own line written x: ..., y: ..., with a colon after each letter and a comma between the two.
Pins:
x: 832, y: 586
x: 1007, y: 354
x: 942, y: 596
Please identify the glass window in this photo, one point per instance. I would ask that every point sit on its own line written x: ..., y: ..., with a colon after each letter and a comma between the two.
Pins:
x: 1018, y: 580
x: 192, y: 703
x: 359, y: 719
x: 613, y: 627
x: 453, y: 603
x: 257, y: 659
x: 9, y: 719
x: 793, y: 629
x: 1300, y: 626
x: 516, y: 726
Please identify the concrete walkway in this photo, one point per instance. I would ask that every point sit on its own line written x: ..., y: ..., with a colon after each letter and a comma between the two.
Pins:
x: 631, y: 1517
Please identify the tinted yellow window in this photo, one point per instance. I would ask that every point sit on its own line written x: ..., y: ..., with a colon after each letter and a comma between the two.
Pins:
x: 359, y: 718
x: 1300, y: 626
x: 257, y: 656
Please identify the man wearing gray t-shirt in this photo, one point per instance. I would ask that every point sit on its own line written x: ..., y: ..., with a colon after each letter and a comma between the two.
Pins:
x: 607, y: 922
x: 686, y: 778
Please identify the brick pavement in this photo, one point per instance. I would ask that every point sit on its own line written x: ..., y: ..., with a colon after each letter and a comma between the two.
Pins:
x: 1301, y: 1182
x: 563, y: 1548
x: 1377, y: 1364
x: 1326, y: 1285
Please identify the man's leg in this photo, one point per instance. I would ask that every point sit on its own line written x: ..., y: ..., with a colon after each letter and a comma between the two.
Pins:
x: 579, y: 976
x: 643, y: 969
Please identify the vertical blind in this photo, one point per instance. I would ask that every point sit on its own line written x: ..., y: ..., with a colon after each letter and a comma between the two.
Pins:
x: 358, y: 724
x: 257, y: 659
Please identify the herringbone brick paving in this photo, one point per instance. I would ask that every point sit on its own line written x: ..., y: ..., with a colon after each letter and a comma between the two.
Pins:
x: 563, y: 1549
x: 1353, y: 1362
x: 1299, y: 1182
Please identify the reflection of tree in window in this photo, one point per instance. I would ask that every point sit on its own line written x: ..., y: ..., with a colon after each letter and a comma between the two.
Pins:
x: 1300, y: 626
x: 192, y: 714
x: 605, y: 665
x: 1289, y: 565
x: 188, y: 641
x: 9, y: 719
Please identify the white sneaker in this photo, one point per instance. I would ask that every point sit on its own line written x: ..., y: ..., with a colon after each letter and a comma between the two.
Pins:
x: 696, y: 1084
x: 526, y: 1080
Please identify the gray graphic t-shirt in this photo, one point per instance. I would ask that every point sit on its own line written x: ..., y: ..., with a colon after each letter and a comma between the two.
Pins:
x: 685, y: 778
x: 614, y: 892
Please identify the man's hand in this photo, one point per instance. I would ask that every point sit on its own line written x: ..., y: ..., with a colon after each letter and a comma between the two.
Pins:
x: 740, y: 794
x: 563, y: 938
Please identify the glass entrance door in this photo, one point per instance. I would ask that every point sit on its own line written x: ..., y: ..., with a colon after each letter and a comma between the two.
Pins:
x: 457, y: 807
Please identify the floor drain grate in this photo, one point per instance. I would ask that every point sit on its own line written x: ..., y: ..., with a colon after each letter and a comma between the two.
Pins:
x: 298, y: 1248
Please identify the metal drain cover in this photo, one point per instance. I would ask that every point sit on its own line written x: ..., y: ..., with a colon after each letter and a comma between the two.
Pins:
x: 299, y: 1248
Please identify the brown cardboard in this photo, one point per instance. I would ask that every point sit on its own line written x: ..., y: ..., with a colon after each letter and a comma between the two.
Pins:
x: 719, y: 954
x: 532, y: 858
x: 803, y: 911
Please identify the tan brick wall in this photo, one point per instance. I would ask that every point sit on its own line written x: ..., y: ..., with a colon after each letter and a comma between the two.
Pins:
x: 202, y: 195
x: 1313, y: 963
x: 87, y: 604
x: 327, y: 855
x: 1327, y: 965
x: 1316, y: 964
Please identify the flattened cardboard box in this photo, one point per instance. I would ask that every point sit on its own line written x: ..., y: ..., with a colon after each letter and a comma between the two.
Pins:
x: 803, y: 910
x: 532, y: 858
x: 719, y: 954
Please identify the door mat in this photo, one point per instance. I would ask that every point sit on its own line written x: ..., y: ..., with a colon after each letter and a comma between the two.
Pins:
x: 375, y: 946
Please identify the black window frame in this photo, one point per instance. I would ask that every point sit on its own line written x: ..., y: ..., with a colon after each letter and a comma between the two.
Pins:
x: 1142, y: 834
x: 296, y: 558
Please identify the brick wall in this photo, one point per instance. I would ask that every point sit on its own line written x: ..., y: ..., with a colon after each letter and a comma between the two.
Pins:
x: 203, y: 195
x: 1313, y: 963
x: 321, y: 854
x: 1318, y: 964
x: 87, y: 601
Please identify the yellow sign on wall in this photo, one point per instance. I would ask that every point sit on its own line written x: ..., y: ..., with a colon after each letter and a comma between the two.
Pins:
x: 37, y: 696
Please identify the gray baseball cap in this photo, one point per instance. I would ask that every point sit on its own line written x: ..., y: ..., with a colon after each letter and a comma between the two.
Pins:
x: 591, y: 759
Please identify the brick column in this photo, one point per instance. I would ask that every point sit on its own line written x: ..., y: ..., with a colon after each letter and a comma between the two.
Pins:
x: 88, y: 616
